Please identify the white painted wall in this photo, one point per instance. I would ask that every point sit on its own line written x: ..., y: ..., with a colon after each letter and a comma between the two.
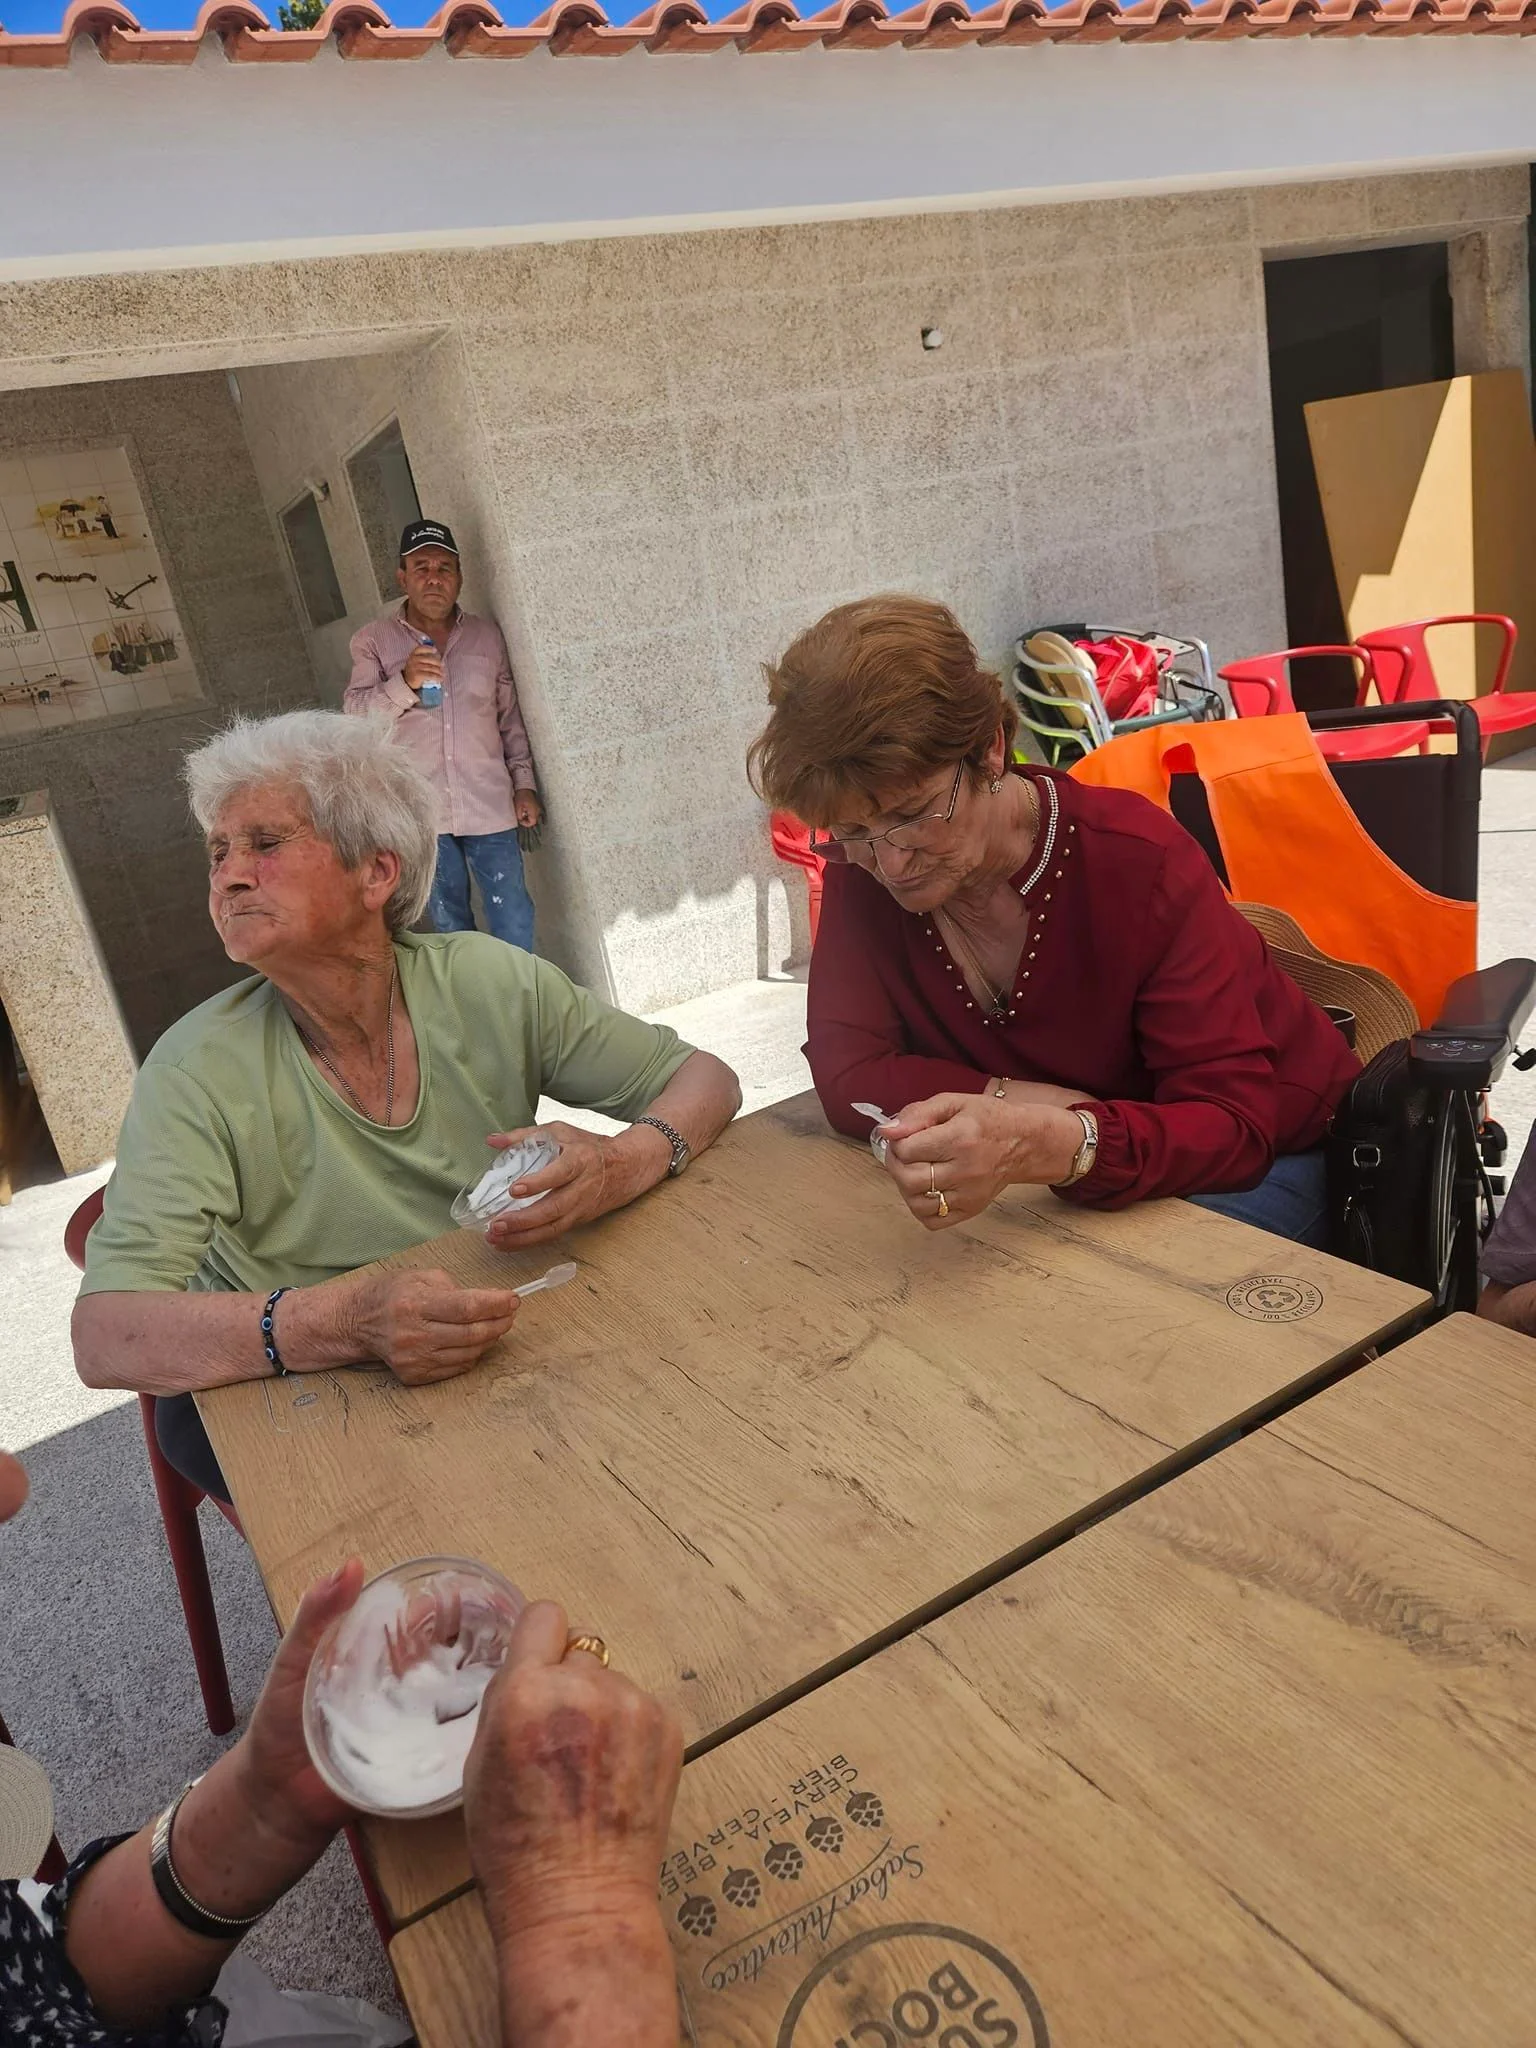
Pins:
x: 152, y: 167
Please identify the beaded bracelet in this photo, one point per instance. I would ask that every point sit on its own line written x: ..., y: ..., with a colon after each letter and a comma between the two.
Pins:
x: 268, y: 1335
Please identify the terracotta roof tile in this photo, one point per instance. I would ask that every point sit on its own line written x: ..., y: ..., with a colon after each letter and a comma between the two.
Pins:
x: 362, y: 31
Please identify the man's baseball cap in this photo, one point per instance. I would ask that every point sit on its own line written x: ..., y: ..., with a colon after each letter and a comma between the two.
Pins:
x: 426, y: 533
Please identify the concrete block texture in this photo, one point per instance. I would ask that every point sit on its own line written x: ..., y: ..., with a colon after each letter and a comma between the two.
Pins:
x: 664, y: 454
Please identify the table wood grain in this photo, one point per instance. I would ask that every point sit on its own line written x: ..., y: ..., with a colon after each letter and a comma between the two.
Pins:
x: 1247, y: 1765
x: 773, y: 1417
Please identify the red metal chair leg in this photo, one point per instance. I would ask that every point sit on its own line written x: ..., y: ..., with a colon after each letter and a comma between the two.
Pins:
x: 376, y: 1906
x: 178, y: 1500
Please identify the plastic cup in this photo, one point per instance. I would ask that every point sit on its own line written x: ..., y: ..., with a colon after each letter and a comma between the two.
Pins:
x: 392, y: 1699
x: 475, y: 1207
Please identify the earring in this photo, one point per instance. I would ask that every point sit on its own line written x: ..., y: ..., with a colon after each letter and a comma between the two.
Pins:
x: 994, y: 786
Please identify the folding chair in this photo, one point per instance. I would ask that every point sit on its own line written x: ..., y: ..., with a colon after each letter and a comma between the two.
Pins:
x: 1060, y: 702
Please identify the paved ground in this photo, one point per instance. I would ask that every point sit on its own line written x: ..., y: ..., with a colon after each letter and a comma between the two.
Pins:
x: 95, y: 1675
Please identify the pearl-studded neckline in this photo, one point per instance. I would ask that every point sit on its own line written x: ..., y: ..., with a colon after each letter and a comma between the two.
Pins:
x: 1039, y: 915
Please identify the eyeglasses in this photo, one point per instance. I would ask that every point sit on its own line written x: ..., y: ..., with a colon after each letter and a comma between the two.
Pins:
x: 908, y: 837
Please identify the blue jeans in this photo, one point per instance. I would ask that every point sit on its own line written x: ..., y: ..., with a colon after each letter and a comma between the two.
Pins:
x: 1290, y: 1201
x: 497, y: 862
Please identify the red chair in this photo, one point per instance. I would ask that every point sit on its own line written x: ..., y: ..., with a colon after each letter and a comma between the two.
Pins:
x: 1261, y: 688
x: 1405, y: 673
x: 178, y: 1499
x: 792, y: 844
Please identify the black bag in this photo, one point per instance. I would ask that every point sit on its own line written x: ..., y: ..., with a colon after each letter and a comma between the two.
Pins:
x: 1391, y: 1173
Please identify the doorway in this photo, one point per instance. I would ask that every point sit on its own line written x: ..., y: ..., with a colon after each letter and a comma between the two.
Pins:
x: 1369, y: 320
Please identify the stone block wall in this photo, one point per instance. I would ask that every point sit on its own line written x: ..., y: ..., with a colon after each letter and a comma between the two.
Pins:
x: 115, y: 782
x: 702, y: 441
x: 302, y: 421
x: 680, y: 449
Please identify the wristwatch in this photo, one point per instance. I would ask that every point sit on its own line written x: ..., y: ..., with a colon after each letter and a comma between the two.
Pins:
x: 1086, y: 1153
x: 179, y: 1902
x: 680, y: 1152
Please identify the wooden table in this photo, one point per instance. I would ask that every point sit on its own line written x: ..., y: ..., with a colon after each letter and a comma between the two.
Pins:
x: 774, y: 1418
x: 1249, y: 1762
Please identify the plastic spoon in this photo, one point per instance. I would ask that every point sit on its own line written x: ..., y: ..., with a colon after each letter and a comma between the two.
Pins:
x: 555, y: 1277
x: 879, y: 1119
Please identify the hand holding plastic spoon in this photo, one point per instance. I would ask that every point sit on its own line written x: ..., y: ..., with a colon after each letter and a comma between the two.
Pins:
x: 557, y: 1276
x: 877, y: 1116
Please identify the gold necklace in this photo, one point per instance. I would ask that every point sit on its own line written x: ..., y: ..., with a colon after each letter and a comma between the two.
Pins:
x: 997, y: 998
x: 389, y: 1061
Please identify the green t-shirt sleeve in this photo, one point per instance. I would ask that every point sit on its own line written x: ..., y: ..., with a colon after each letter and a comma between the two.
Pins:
x: 174, y: 1183
x: 595, y: 1057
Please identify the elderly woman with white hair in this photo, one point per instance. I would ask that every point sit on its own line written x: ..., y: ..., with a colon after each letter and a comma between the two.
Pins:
x: 324, y: 1112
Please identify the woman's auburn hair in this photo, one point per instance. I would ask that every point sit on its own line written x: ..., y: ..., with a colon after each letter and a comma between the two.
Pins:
x: 876, y: 696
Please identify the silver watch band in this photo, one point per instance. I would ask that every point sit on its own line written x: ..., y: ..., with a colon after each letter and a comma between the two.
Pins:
x: 680, y: 1149
x: 175, y: 1898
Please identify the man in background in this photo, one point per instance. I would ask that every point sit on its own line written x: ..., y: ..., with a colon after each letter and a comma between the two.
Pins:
x: 444, y: 675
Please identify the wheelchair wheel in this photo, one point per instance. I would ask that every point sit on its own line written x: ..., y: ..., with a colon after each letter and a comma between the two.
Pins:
x: 1452, y: 1239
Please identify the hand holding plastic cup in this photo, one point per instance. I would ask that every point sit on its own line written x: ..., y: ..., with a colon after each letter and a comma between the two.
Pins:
x: 392, y: 1700
x: 877, y: 1144
x: 475, y: 1207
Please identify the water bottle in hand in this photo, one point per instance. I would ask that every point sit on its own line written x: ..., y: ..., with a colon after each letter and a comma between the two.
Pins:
x: 431, y: 692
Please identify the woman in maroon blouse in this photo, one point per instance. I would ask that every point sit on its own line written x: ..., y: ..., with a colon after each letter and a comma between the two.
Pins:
x: 1044, y: 979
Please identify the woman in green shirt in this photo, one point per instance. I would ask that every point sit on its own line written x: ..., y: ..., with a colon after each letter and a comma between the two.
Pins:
x: 324, y: 1113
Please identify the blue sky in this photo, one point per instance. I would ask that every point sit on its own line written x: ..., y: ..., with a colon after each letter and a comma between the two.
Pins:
x: 34, y: 17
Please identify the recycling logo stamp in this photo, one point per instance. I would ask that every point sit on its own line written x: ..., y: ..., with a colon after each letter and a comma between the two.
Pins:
x: 1274, y: 1298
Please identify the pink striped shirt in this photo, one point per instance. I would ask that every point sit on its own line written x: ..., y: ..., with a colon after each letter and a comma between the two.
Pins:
x: 474, y: 746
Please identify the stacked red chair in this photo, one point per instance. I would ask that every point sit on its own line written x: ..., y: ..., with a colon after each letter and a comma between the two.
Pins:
x: 1261, y: 688
x: 1405, y: 674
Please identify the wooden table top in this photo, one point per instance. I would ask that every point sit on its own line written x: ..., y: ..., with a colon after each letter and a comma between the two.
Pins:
x: 773, y: 1417
x: 1249, y: 1762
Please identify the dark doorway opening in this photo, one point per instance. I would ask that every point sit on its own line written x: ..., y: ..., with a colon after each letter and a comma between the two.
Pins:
x: 1366, y: 321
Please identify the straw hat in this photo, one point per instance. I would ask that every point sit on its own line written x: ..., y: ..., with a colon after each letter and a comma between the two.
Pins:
x: 26, y: 1813
x: 1383, y: 1014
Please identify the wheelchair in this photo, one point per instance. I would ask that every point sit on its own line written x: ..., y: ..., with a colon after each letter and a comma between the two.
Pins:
x: 1424, y: 1100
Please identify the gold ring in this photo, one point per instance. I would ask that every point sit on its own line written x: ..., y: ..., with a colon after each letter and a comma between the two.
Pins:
x: 943, y: 1205
x: 933, y: 1185
x: 593, y: 1645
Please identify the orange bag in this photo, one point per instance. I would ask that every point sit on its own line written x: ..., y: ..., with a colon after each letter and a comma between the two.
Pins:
x: 1289, y: 839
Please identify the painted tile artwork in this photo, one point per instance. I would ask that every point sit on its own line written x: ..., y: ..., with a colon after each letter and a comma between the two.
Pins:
x: 87, y: 624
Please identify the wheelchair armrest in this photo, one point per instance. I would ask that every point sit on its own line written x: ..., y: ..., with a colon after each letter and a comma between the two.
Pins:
x: 1473, y: 1036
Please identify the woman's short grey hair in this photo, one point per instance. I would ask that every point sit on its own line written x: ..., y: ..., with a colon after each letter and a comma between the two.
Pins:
x: 365, y: 794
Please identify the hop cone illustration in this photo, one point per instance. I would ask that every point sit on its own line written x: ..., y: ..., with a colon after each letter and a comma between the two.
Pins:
x: 697, y: 1915
x: 784, y: 1861
x: 865, y: 1810
x: 825, y: 1834
x: 742, y: 1888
